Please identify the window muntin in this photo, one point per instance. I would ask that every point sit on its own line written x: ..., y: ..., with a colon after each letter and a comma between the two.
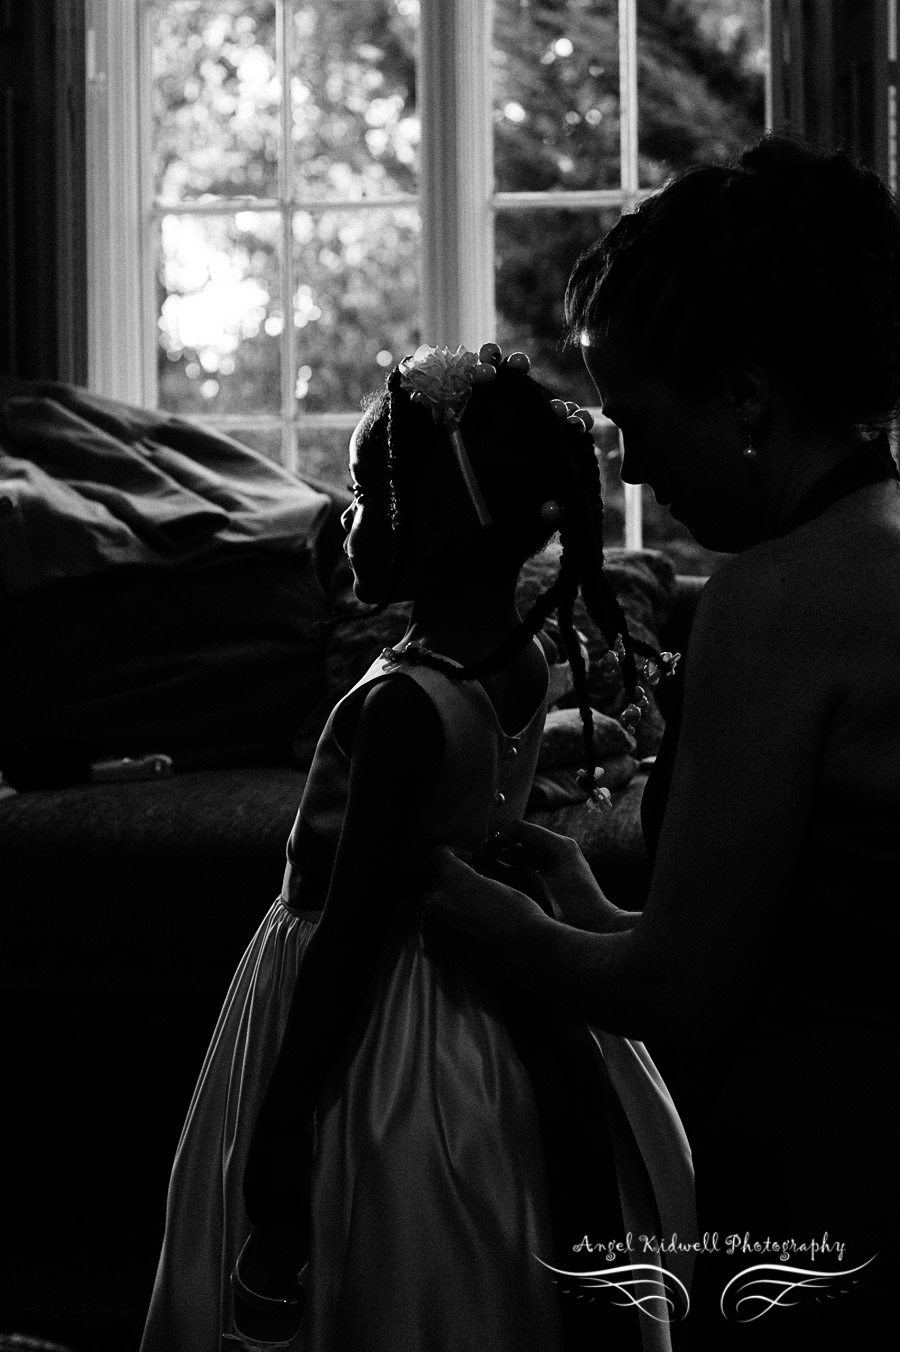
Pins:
x: 400, y: 125
x: 288, y: 306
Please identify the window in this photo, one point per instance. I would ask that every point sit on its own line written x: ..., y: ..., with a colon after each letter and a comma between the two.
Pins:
x: 292, y: 194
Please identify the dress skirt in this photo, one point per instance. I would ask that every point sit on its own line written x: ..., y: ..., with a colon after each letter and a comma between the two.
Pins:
x: 429, y: 1195
x: 206, y: 1223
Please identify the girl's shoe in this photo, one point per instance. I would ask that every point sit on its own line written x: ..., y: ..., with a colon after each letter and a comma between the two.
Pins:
x: 265, y: 1320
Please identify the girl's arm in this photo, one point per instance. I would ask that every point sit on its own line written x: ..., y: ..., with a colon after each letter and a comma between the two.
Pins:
x: 758, y: 696
x: 397, y: 747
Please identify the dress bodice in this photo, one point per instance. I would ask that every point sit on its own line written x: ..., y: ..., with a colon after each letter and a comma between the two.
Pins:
x: 484, y: 781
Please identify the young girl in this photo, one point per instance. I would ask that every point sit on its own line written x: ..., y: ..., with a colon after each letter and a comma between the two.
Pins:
x: 434, y: 1156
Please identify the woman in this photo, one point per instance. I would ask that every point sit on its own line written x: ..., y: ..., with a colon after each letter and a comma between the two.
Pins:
x: 743, y: 330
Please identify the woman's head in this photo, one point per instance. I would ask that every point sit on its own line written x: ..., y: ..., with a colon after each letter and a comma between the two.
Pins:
x: 791, y: 260
x: 734, y: 296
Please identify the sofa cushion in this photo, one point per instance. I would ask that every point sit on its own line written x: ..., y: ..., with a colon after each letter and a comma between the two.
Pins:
x: 562, y: 744
x: 149, y: 885
x: 611, y: 841
x: 211, y: 665
x: 644, y: 581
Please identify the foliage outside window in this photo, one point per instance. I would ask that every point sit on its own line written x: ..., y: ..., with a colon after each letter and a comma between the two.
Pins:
x: 286, y: 216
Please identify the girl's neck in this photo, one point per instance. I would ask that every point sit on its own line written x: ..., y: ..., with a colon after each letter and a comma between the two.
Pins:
x: 465, y: 626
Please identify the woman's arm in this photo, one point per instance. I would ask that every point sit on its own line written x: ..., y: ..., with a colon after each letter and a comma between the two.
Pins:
x: 758, y: 695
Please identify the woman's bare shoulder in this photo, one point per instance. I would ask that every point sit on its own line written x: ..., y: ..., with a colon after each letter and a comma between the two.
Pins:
x: 835, y: 577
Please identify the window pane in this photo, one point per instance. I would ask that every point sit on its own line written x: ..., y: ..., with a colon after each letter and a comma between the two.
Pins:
x: 216, y: 98
x: 356, y: 302
x: 606, y: 437
x: 266, y: 440
x: 701, y: 83
x: 219, y: 313
x: 322, y: 453
x: 355, y: 130
x: 535, y: 253
x: 556, y: 95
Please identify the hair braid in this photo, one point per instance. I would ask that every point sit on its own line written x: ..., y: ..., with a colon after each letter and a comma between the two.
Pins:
x: 523, y: 633
x: 566, y: 616
x: 599, y: 595
x: 597, y: 578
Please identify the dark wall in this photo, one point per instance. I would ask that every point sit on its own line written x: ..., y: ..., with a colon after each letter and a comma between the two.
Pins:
x: 43, y: 324
x: 831, y: 76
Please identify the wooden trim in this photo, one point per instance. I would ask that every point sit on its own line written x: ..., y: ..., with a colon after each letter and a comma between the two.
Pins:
x: 630, y: 178
x: 891, y: 93
x: 456, y: 173
x: 116, y: 237
x: 628, y: 97
x: 71, y: 196
x: 778, y: 110
x: 287, y: 347
x: 577, y: 200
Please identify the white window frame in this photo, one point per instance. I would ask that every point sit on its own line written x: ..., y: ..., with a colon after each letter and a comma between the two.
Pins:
x: 456, y: 200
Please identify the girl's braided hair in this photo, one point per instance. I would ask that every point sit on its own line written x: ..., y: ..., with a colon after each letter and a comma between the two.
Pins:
x: 523, y: 454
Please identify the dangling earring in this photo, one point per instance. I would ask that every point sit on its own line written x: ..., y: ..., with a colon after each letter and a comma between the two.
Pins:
x: 749, y: 452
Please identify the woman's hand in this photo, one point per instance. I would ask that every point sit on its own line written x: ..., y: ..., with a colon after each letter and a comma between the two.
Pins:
x: 499, y: 930
x: 564, y: 877
x: 489, y: 921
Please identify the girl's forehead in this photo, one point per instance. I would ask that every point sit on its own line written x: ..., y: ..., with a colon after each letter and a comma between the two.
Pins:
x: 356, y: 438
x: 356, y: 450
x: 367, y: 453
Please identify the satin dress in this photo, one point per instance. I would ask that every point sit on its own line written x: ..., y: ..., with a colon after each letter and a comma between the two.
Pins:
x: 449, y: 1126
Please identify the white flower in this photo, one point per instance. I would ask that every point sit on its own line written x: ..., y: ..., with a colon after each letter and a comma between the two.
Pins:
x: 440, y: 378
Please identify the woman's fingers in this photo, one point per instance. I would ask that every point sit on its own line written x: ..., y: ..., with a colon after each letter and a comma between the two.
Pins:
x: 467, y: 901
x: 541, y: 849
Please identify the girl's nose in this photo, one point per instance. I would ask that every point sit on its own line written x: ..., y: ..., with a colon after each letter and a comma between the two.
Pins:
x: 347, y: 517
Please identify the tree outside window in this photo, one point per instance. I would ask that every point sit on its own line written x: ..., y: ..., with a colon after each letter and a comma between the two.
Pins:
x: 286, y: 216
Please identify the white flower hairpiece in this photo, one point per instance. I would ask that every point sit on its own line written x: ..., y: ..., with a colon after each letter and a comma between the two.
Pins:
x: 440, y: 378
x: 444, y: 381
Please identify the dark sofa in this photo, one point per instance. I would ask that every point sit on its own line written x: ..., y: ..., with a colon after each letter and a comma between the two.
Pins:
x: 126, y: 906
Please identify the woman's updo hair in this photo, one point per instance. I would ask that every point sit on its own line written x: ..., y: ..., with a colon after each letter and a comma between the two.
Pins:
x: 791, y: 258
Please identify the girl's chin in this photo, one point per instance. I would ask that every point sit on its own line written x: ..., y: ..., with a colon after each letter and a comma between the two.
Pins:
x: 378, y: 596
x: 363, y: 593
x: 718, y: 536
